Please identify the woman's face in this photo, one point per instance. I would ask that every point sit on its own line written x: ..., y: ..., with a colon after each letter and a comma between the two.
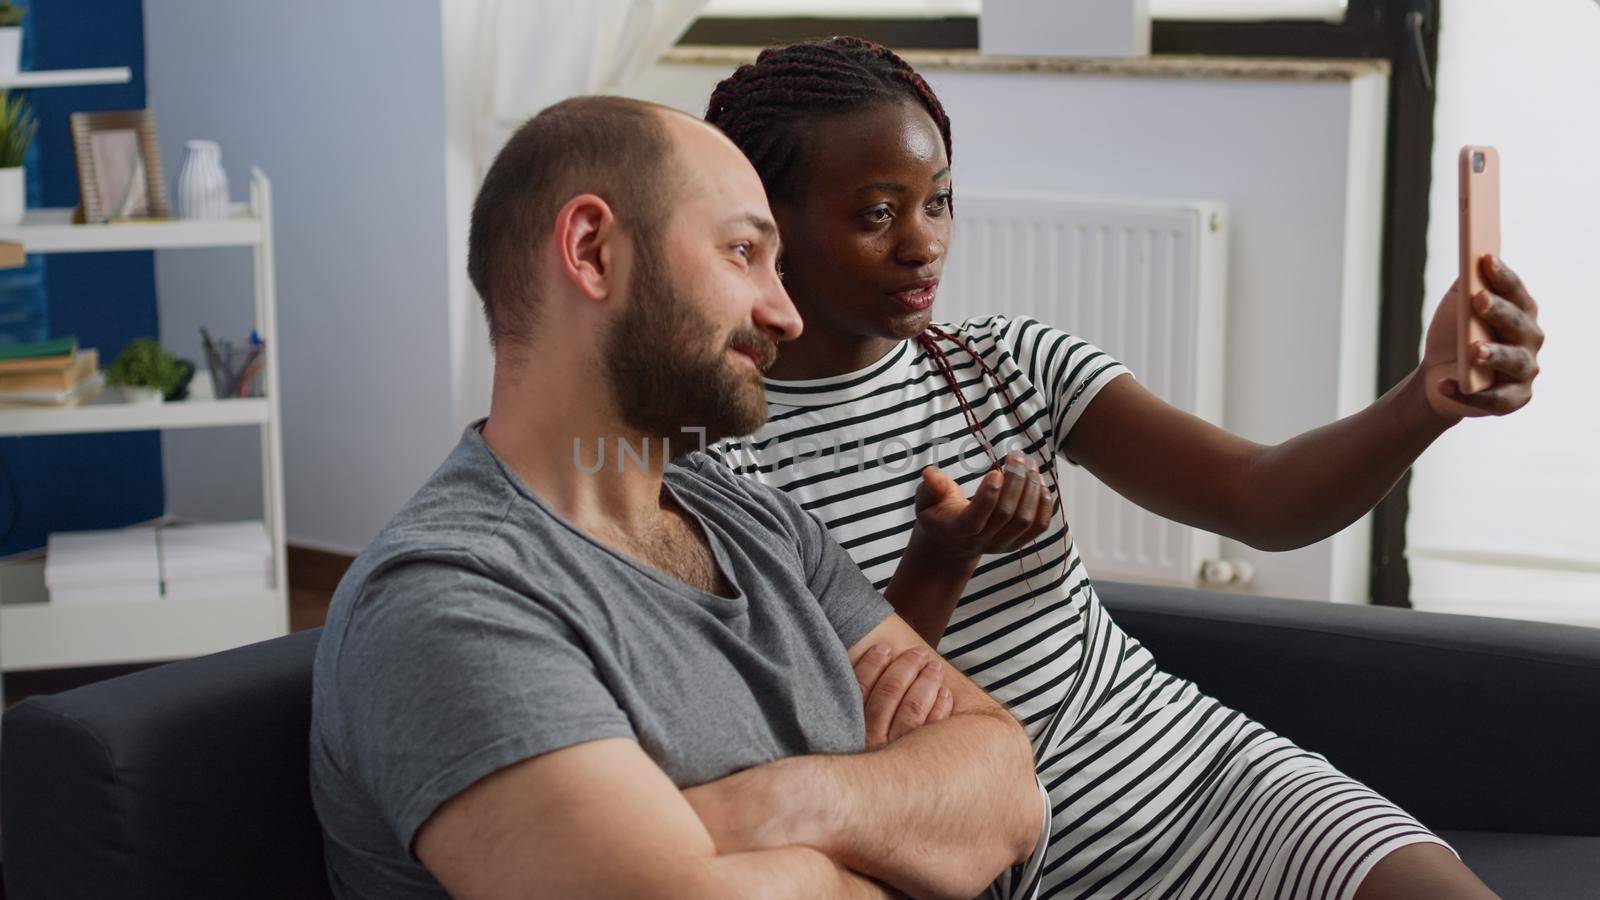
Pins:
x: 865, y: 238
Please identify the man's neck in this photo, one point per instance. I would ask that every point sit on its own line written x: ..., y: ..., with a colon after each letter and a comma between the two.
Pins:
x: 577, y: 456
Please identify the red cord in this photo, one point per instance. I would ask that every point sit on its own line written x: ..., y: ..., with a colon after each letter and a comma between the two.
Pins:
x: 929, y: 340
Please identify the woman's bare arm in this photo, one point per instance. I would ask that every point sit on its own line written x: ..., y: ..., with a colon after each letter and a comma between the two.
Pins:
x: 1313, y: 485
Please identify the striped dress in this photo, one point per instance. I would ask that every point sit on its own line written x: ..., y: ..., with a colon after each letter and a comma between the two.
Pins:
x: 1156, y: 789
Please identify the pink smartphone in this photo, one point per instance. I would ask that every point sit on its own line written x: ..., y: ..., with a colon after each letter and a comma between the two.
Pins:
x: 1480, y: 235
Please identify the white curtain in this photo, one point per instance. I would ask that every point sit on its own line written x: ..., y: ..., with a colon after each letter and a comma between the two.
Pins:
x: 538, y: 52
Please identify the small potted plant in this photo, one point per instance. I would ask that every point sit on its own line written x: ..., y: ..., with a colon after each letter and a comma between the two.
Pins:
x: 17, y: 128
x: 11, y: 37
x: 146, y: 373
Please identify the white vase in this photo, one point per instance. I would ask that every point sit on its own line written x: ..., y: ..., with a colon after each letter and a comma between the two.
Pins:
x: 139, y: 394
x: 13, y: 195
x: 202, y: 184
x: 10, y: 50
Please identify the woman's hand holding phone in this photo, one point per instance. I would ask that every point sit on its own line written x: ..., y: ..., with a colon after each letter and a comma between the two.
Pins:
x: 1482, y: 349
x: 1512, y: 350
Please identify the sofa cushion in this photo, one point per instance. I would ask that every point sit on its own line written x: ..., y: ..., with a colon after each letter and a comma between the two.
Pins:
x: 1531, y: 865
x: 1468, y: 723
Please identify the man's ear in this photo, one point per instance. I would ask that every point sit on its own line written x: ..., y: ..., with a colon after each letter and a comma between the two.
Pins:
x: 585, y: 236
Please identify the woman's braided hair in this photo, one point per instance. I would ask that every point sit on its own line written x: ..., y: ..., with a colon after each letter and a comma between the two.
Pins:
x: 766, y: 107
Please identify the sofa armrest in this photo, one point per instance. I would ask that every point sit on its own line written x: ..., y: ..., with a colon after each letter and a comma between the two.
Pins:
x: 185, y: 780
x: 1467, y: 722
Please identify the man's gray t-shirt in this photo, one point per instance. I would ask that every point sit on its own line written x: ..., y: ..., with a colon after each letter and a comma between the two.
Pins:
x: 480, y: 629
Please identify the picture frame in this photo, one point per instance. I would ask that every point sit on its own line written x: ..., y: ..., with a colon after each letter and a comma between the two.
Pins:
x: 119, y: 166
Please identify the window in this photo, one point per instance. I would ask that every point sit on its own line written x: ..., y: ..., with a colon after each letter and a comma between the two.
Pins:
x: 1404, y: 32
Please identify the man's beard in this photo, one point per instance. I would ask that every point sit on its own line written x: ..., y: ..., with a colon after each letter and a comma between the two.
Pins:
x: 664, y: 376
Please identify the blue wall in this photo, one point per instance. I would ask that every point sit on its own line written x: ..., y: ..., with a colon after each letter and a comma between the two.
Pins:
x: 106, y: 299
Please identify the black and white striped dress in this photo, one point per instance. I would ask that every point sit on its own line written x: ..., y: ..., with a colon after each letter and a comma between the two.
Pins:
x: 1157, y: 790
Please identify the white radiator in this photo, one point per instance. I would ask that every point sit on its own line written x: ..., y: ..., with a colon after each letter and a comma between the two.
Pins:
x: 1144, y: 281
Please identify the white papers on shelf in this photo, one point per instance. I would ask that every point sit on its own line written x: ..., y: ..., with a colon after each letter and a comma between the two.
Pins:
x: 85, y: 567
x: 216, y: 589
x: 219, y: 560
x: 179, y: 562
x: 22, y: 581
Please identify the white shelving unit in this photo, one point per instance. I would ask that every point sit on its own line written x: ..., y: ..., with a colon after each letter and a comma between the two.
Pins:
x: 53, y: 231
x: 66, y: 78
x: 115, y: 416
x: 34, y: 634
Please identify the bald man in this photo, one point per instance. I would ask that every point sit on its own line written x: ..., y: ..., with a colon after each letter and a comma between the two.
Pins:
x: 583, y: 661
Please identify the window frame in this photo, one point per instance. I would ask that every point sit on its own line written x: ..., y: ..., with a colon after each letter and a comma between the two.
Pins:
x: 1374, y: 29
x: 1241, y: 10
x: 1371, y: 29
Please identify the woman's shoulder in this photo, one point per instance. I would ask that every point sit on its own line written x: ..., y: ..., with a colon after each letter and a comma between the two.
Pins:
x: 978, y: 326
x: 999, y: 334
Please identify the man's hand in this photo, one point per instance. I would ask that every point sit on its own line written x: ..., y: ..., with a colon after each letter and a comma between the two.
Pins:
x: 939, y: 812
x: 1009, y: 509
x: 901, y: 693
x: 1513, y: 317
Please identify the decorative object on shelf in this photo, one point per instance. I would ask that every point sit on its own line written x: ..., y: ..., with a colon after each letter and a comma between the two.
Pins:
x: 119, y: 166
x: 11, y: 16
x: 17, y: 128
x: 146, y: 372
x: 202, y: 182
x: 1092, y: 28
x: 235, y: 371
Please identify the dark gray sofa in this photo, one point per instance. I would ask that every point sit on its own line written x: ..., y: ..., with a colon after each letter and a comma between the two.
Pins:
x: 191, y: 779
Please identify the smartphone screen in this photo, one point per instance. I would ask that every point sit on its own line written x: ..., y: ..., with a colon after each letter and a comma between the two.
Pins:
x: 1480, y: 235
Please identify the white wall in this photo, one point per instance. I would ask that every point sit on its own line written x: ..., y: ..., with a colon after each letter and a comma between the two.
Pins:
x: 1300, y: 166
x: 466, y: 80
x: 1505, y: 513
x: 343, y: 105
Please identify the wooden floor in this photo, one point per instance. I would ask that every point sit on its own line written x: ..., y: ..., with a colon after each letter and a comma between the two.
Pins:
x: 313, y: 576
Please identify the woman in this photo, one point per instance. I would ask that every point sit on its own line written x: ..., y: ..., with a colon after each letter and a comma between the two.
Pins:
x: 1157, y: 790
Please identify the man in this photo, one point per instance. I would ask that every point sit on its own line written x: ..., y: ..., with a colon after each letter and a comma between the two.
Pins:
x: 551, y: 677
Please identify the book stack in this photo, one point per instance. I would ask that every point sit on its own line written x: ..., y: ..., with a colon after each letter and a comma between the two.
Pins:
x: 212, y: 561
x: 48, y: 373
x: 92, y: 567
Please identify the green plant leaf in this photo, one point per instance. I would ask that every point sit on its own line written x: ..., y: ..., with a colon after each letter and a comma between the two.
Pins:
x: 17, y: 129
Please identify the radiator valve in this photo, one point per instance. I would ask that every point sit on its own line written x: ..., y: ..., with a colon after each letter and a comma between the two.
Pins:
x: 1232, y: 572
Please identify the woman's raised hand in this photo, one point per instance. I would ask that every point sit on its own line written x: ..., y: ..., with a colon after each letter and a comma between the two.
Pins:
x: 1512, y: 315
x: 1010, y: 508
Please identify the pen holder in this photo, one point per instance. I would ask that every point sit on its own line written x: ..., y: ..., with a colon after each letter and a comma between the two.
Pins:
x: 238, y: 372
